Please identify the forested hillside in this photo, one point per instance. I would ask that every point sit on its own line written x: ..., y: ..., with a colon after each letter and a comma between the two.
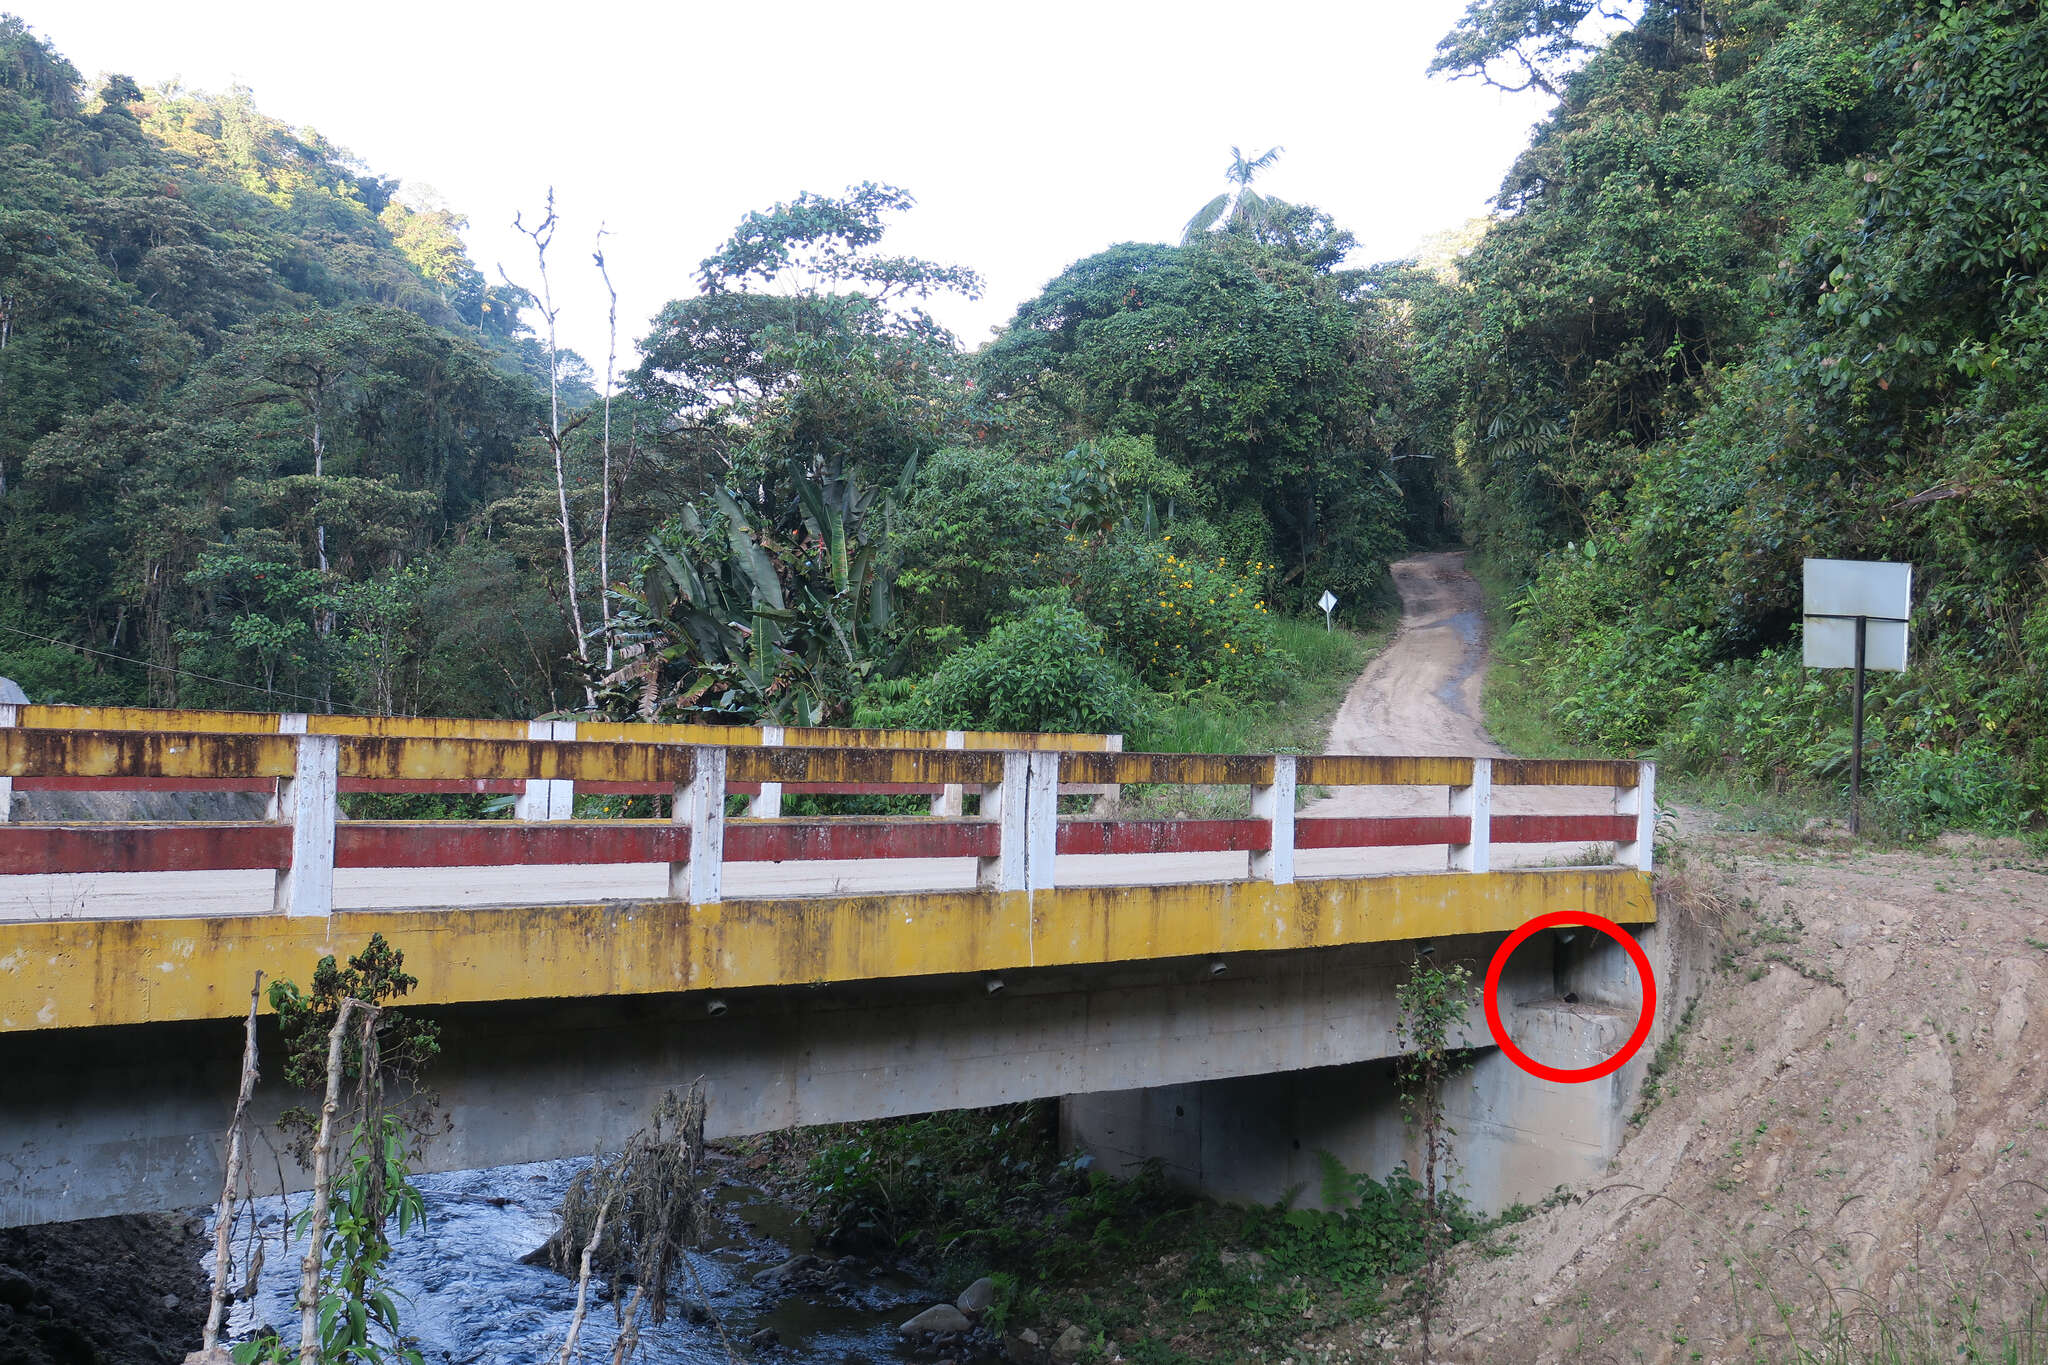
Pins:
x: 1766, y: 285
x: 1763, y: 285
x: 270, y: 440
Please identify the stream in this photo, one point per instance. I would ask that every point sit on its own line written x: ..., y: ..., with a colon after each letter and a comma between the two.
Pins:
x: 466, y: 1298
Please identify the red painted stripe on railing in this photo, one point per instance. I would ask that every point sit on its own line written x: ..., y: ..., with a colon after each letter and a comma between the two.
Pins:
x: 41, y: 849
x: 1163, y: 836
x: 753, y: 788
x: 450, y: 843
x: 1563, y: 829
x: 436, y: 786
x: 780, y: 841
x: 1381, y: 832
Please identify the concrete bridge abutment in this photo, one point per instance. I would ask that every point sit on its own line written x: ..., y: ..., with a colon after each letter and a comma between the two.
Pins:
x: 1261, y: 1138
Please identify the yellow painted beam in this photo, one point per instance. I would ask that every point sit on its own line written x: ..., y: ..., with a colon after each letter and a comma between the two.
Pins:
x: 1220, y: 770
x: 437, y: 727
x: 1372, y: 770
x: 75, y: 973
x: 499, y: 759
x: 143, y: 753
x: 920, y: 767
x: 1564, y: 772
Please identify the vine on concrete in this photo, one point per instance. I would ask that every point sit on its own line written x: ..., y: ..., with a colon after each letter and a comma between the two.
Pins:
x: 1433, y: 1001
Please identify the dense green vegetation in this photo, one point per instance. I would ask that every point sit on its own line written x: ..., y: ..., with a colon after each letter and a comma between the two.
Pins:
x: 1148, y: 1270
x: 1764, y: 286
x: 267, y: 439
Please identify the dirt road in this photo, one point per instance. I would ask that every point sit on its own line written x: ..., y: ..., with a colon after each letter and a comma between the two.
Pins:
x: 1421, y: 695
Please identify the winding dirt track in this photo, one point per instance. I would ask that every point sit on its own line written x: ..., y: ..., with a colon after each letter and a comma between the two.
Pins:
x: 1420, y: 696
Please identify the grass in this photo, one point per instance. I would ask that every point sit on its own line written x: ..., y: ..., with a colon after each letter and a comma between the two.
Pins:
x: 1295, y: 720
x: 1516, y: 710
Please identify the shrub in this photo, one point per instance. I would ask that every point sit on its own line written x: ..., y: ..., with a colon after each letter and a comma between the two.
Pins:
x: 1183, y: 623
x: 1046, y: 670
x: 974, y: 530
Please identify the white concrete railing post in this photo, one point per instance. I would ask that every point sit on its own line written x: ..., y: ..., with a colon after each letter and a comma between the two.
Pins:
x: 951, y: 803
x: 701, y: 805
x: 1476, y: 803
x: 548, y: 798
x: 1641, y: 802
x: 306, y: 801
x: 1275, y: 805
x: 1007, y: 806
x: 10, y: 716
x: 767, y: 803
x: 1041, y: 819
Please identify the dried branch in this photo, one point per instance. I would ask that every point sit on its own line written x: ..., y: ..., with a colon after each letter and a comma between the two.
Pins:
x: 323, y: 1176
x: 224, y: 1224
x: 583, y: 1282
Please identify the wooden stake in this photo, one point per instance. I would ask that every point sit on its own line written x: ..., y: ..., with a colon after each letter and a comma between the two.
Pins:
x: 224, y: 1225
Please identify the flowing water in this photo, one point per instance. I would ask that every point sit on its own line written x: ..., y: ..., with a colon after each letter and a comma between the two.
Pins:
x: 468, y: 1300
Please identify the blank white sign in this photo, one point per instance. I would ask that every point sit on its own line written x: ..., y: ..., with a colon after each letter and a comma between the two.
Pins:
x: 1854, y: 587
x: 1832, y: 644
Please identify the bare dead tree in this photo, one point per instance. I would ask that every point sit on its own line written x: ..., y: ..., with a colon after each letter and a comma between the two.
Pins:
x: 323, y: 1180
x: 639, y: 1212
x: 604, y: 514
x: 542, y: 235
x: 224, y: 1224
x: 583, y: 1281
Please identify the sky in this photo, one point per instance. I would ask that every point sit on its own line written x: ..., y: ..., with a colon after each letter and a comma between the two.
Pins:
x: 1031, y: 135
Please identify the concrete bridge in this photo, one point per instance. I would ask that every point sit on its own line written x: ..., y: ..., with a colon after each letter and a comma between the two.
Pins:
x: 1215, y: 992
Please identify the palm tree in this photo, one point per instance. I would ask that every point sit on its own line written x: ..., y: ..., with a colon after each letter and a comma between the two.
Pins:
x: 1241, y: 210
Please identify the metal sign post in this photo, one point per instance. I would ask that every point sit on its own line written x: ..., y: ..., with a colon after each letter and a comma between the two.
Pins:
x: 1328, y: 602
x: 1856, y: 613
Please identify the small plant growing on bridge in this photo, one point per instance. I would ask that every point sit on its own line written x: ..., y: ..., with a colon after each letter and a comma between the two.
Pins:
x: 1433, y: 1001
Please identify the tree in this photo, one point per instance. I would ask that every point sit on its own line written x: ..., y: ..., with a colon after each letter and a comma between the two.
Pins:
x: 1239, y: 209
x: 1243, y: 365
x: 1537, y: 40
x: 542, y: 235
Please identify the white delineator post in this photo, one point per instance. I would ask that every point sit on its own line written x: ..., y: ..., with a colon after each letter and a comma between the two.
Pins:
x: 548, y: 798
x: 1641, y: 802
x: 1006, y: 805
x: 951, y: 803
x: 1476, y: 803
x: 767, y: 803
x: 306, y: 802
x: 700, y: 804
x: 1041, y: 819
x: 1275, y: 805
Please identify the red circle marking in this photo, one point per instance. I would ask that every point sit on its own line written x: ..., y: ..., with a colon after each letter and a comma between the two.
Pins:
x: 1490, y: 997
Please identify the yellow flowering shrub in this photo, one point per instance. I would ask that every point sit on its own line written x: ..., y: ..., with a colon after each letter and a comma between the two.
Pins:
x: 1182, y: 622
